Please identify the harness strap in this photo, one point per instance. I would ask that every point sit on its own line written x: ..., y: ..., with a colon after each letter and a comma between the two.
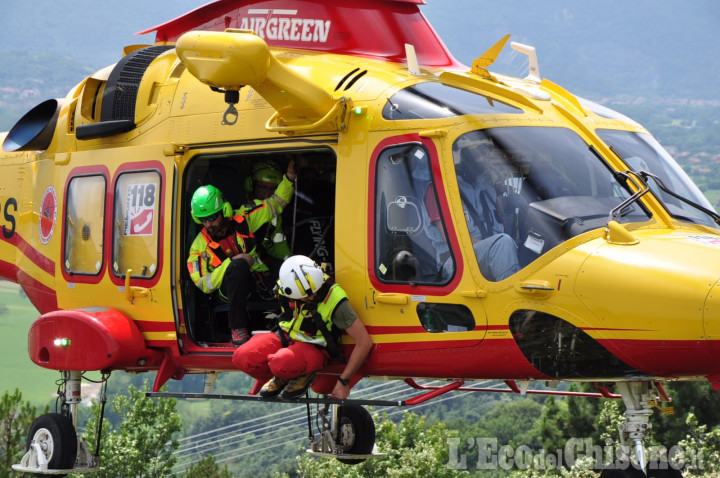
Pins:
x: 282, y: 336
x: 331, y: 342
x: 470, y: 207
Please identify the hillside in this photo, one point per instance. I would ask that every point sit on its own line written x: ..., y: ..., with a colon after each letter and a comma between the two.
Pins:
x: 654, y: 49
x: 592, y: 49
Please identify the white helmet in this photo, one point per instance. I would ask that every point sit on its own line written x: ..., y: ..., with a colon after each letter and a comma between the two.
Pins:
x: 300, y: 277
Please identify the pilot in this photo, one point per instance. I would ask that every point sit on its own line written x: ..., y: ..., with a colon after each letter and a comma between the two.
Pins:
x: 271, y: 241
x: 495, y: 251
x: 224, y: 255
x: 315, y: 310
x: 431, y: 220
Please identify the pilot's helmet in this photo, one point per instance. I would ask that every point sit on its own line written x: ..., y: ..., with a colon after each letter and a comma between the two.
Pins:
x: 300, y: 277
x: 206, y: 202
x: 477, y: 149
x: 267, y: 172
x: 472, y: 156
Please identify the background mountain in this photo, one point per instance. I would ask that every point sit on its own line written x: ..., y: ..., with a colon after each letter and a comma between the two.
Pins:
x: 650, y: 48
x: 655, y: 49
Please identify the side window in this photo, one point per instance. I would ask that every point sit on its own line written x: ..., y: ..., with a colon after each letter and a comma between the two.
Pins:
x: 136, y: 224
x: 410, y: 234
x: 85, y: 219
x: 445, y: 317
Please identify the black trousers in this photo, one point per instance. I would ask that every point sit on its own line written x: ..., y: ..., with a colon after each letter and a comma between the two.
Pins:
x: 237, y: 284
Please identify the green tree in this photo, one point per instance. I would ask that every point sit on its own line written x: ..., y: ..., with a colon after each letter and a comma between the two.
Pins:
x: 700, y: 448
x: 551, y: 424
x: 143, y: 443
x: 697, y: 398
x: 207, y: 467
x: 512, y: 423
x: 411, y: 450
x: 608, y: 422
x: 570, y: 417
x: 16, y: 417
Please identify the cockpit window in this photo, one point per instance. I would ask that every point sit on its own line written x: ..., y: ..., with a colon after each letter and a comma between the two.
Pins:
x: 524, y: 190
x: 604, y: 111
x: 641, y: 152
x: 437, y: 100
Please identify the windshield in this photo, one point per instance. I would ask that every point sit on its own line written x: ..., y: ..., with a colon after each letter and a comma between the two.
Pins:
x: 535, y: 186
x: 436, y: 100
x: 642, y: 152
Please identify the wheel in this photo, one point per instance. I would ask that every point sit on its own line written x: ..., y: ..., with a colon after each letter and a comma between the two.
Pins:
x: 356, y: 432
x: 56, y: 436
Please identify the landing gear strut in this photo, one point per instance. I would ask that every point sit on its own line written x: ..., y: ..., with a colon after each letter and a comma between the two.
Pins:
x: 637, y: 397
x: 52, y: 443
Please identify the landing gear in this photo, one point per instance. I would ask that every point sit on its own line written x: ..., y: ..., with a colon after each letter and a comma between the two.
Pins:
x: 52, y: 442
x: 347, y: 433
x: 356, y: 432
x: 638, y: 398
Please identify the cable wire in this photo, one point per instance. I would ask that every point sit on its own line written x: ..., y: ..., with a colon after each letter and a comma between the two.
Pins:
x: 232, y: 442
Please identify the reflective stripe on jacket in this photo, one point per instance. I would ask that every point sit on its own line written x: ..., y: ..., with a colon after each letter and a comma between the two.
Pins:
x: 207, y: 262
x: 271, y: 236
x: 301, y: 326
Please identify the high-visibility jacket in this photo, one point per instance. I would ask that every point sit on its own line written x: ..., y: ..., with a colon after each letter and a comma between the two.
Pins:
x: 207, y: 262
x: 304, y: 321
x: 271, y: 237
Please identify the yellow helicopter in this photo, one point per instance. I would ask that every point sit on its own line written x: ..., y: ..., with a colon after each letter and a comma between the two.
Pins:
x: 483, y: 226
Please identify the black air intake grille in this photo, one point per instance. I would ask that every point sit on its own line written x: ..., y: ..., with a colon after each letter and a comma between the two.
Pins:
x: 122, y: 87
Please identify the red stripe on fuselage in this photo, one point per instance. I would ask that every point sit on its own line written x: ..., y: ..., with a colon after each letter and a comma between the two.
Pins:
x: 42, y: 297
x: 418, y: 329
x: 31, y: 253
x: 8, y: 271
x: 668, y: 358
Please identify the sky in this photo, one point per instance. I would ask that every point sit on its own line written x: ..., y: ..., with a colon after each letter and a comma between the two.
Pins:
x: 579, y: 44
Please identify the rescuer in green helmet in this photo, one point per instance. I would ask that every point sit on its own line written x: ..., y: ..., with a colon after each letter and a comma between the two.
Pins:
x: 224, y: 255
x: 271, y: 240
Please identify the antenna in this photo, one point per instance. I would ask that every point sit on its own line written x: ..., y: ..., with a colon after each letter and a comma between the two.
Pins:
x: 412, y: 61
x: 534, y: 69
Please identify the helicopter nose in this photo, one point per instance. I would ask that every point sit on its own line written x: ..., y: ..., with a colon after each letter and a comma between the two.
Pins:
x: 656, y: 304
x: 637, y: 293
